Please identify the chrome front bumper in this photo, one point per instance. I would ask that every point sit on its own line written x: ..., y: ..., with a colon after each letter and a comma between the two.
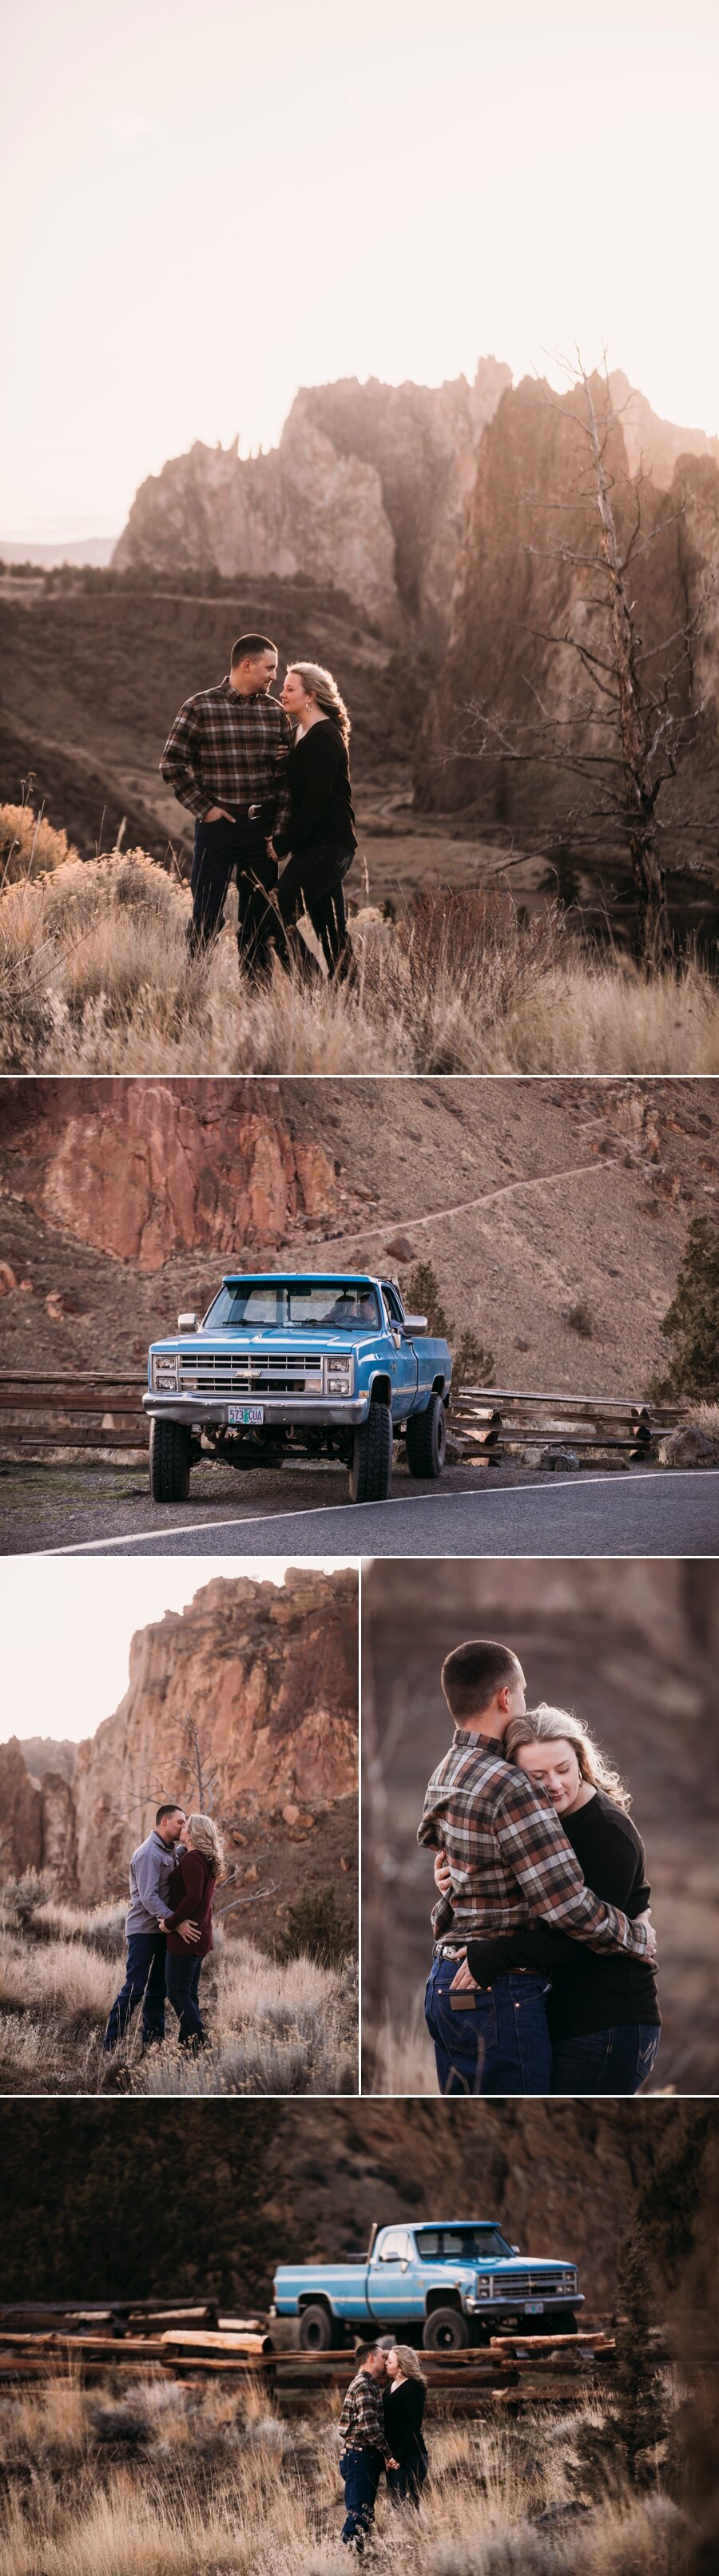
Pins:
x: 522, y: 2307
x: 338, y: 1414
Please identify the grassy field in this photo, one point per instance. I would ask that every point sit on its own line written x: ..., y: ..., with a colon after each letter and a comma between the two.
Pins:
x: 159, y: 2479
x: 274, y: 2028
x: 94, y: 979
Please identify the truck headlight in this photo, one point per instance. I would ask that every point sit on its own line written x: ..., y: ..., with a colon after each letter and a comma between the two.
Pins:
x: 337, y: 1375
x: 164, y: 1374
x: 483, y: 2285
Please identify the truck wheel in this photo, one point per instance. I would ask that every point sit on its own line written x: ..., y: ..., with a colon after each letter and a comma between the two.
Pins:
x: 370, y: 1477
x: 316, y: 2329
x: 446, y: 2330
x: 426, y: 1440
x: 169, y: 1462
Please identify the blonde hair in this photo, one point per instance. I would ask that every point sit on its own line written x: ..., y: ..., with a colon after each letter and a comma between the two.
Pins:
x: 320, y: 685
x: 207, y: 1841
x: 544, y: 1725
x: 409, y: 2362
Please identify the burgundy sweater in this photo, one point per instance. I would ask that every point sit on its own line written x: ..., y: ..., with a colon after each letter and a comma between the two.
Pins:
x: 191, y: 1891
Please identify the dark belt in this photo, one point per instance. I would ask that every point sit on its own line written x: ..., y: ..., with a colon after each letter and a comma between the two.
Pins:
x: 442, y: 1951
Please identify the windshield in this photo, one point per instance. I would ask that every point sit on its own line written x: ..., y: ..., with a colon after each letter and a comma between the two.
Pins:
x: 461, y: 2244
x: 330, y: 1306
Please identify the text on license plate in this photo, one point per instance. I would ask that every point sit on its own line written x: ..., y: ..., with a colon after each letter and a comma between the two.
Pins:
x: 245, y: 1413
x: 534, y: 2307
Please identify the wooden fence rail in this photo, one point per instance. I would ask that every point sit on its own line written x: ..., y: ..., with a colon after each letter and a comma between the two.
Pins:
x: 487, y: 1421
x: 102, y: 1412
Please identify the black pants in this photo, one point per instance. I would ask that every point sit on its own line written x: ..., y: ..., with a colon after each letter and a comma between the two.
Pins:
x: 221, y: 850
x: 405, y: 2483
x: 316, y: 880
x: 183, y: 1980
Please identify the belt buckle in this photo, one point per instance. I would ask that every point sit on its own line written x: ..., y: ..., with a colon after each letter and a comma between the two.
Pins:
x: 253, y: 811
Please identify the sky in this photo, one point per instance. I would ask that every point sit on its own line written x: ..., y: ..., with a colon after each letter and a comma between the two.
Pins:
x: 67, y: 1625
x: 207, y: 206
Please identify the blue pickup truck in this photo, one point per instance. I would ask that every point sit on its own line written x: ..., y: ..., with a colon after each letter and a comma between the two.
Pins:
x: 443, y: 2283
x: 287, y: 1362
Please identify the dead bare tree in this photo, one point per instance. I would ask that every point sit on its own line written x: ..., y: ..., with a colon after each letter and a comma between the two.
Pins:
x: 623, y: 730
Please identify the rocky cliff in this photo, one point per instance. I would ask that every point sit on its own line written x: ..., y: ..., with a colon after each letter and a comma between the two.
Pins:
x: 141, y: 1170
x: 514, y: 593
x: 366, y: 492
x: 268, y: 1676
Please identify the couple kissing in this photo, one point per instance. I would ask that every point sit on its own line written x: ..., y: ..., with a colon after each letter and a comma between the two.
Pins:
x: 168, y: 1928
x: 544, y: 1954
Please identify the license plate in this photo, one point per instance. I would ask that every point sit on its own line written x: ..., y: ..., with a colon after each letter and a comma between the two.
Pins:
x: 534, y: 2307
x: 245, y: 1413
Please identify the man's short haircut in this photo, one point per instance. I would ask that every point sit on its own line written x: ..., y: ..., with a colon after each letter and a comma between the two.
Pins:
x: 473, y: 1673
x: 364, y: 2352
x: 172, y: 1807
x: 248, y: 649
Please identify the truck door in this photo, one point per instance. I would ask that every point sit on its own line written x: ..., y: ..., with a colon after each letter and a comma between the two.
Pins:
x: 405, y: 1364
x: 390, y: 2284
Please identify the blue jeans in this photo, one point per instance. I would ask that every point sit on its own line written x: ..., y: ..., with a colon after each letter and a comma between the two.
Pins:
x: 183, y: 1978
x: 361, y: 2472
x: 145, y: 1984
x: 606, y: 2061
x: 501, y: 2044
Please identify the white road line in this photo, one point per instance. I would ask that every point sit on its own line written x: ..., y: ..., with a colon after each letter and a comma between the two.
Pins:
x: 308, y: 1511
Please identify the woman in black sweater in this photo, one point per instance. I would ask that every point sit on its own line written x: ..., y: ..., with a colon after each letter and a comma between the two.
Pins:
x: 320, y: 834
x: 403, y: 2405
x: 602, y: 2008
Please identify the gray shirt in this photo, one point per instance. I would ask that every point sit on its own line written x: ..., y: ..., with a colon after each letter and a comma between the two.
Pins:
x: 151, y: 1868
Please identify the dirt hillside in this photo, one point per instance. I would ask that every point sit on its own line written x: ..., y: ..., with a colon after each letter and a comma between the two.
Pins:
x: 568, y: 1205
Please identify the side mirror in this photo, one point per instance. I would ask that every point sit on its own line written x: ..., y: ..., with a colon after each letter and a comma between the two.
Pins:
x: 415, y: 1323
x: 187, y: 1323
x: 514, y: 2249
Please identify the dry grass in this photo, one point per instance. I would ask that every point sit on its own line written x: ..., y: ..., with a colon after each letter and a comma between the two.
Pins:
x: 273, y: 2029
x: 217, y: 2485
x: 94, y: 979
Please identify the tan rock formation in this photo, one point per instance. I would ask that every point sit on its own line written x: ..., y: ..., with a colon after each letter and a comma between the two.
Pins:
x: 299, y: 509
x: 20, y: 1814
x: 270, y: 1679
x: 367, y: 492
x: 142, y: 1170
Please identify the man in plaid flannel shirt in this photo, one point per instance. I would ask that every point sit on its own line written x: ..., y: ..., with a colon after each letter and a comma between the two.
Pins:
x: 225, y: 759
x: 363, y: 2444
x: 509, y: 1861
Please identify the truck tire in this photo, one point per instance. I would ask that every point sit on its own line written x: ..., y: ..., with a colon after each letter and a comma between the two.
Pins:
x: 169, y: 1462
x: 370, y: 1476
x: 316, y: 2329
x: 426, y: 1440
x: 445, y: 2330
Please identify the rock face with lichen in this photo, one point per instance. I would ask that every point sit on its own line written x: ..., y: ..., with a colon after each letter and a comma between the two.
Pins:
x: 269, y: 1677
x: 142, y: 1170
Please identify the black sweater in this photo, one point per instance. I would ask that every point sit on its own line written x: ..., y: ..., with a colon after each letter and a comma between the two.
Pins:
x: 403, y: 2412
x: 318, y: 778
x: 591, y: 1989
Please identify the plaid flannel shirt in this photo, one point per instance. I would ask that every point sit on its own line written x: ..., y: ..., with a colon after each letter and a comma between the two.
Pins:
x: 361, y: 2425
x: 224, y: 749
x: 508, y: 1855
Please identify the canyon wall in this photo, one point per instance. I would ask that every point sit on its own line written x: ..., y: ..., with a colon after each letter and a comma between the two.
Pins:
x: 525, y: 583
x: 367, y: 492
x: 268, y: 1676
x: 141, y: 1170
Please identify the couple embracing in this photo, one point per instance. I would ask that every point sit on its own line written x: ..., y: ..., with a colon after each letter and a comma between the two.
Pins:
x: 267, y: 780
x: 168, y: 1928
x: 380, y: 2427
x: 544, y: 1977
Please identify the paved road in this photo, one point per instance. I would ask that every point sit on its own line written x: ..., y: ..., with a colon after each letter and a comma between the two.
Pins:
x: 647, y: 1514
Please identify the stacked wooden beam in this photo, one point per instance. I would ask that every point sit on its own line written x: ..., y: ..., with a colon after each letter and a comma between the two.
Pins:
x: 510, y: 2370
x: 487, y: 1421
x: 99, y: 1411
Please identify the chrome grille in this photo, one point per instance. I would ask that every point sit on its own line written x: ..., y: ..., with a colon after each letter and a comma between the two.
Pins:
x: 528, y: 2285
x: 251, y: 1372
